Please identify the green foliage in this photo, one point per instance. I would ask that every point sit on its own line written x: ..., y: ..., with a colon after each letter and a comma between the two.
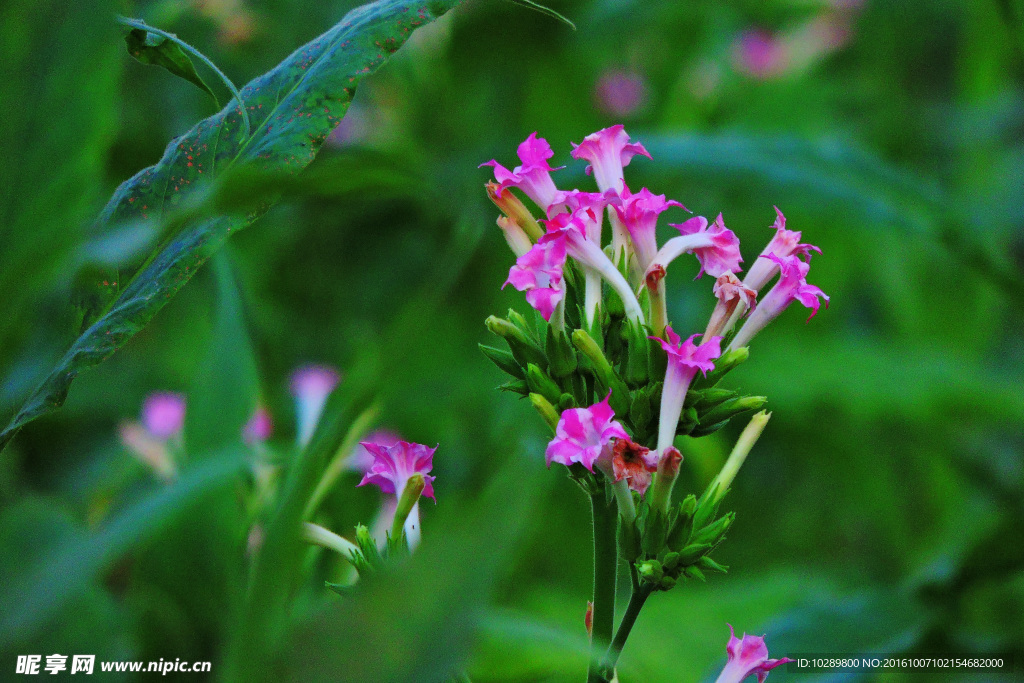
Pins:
x: 150, y: 48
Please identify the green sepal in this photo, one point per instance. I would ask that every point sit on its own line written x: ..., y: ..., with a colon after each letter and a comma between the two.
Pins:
x: 692, y: 572
x: 629, y: 540
x: 505, y: 361
x: 561, y: 354
x: 688, y: 421
x: 711, y: 397
x: 546, y: 410
x: 540, y: 383
x: 733, y: 407
x: 655, y: 529
x: 603, y: 371
x: 516, y: 386
x: 640, y: 413
x: 340, y: 588
x: 368, y: 549
x: 693, y: 552
x: 707, y: 563
x: 637, y: 352
x: 704, y: 430
x: 706, y: 507
x: 520, y: 342
x: 714, y: 532
x: 679, y: 534
x: 726, y: 363
x: 667, y: 583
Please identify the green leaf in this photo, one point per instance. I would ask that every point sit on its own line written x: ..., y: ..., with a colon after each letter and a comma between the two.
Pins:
x: 545, y: 10
x: 293, y: 108
x: 149, y: 48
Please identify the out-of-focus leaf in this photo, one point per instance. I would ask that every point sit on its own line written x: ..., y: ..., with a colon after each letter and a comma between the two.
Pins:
x: 150, y: 48
x: 543, y: 9
x: 292, y: 108
x: 28, y: 603
x: 422, y: 618
x: 223, y: 396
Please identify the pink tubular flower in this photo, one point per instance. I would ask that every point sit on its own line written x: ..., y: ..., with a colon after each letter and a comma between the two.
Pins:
x: 716, y: 248
x: 684, y: 360
x: 639, y: 214
x: 163, y: 414
x: 732, y: 294
x: 792, y: 286
x: 608, y: 151
x: 533, y: 176
x: 625, y: 459
x: 361, y: 460
x: 620, y: 93
x: 311, y: 385
x: 538, y: 272
x: 393, y: 465
x: 783, y: 243
x: 583, y: 433
x: 259, y: 427
x: 747, y: 657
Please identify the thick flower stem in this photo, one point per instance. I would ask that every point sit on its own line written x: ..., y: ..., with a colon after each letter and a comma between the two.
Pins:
x: 659, y: 307
x: 636, y: 603
x: 605, y: 565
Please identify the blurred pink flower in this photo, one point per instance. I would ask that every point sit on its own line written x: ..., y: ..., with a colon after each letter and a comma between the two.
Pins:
x: 311, y: 385
x: 533, y: 176
x: 747, y: 657
x: 620, y: 93
x: 259, y: 427
x: 761, y: 54
x: 393, y: 465
x: 608, y: 151
x: 163, y: 414
x: 582, y: 434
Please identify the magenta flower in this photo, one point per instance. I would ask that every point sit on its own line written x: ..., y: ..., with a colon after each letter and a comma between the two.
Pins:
x: 639, y: 214
x: 533, y: 176
x: 311, y: 385
x: 783, y: 243
x: 538, y: 272
x: 608, y: 151
x: 393, y: 465
x: 791, y: 286
x: 684, y: 360
x: 747, y: 657
x: 716, y: 248
x: 761, y: 54
x: 620, y: 93
x: 163, y: 414
x: 583, y: 433
x: 259, y: 427
x: 361, y: 460
x: 588, y: 208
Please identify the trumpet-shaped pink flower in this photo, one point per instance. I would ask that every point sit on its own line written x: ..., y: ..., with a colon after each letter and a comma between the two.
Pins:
x: 163, y: 414
x: 639, y: 214
x: 538, y: 272
x: 783, y: 243
x: 588, y: 208
x: 583, y: 433
x: 625, y: 459
x: 685, y: 359
x: 791, y: 286
x: 393, y: 465
x: 747, y: 657
x: 732, y: 294
x: 533, y: 176
x: 608, y: 151
x: 311, y: 385
x: 722, y: 255
x: 259, y: 427
x: 361, y: 460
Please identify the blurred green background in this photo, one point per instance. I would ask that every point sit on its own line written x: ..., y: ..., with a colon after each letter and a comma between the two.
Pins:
x: 881, y: 512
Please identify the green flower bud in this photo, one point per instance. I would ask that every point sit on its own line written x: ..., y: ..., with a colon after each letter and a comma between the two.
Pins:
x: 546, y: 410
x: 540, y: 383
x: 714, y: 532
x: 732, y: 408
x: 505, y: 361
x: 523, y: 347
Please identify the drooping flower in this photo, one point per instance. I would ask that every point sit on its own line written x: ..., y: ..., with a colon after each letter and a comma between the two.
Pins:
x: 310, y: 386
x: 716, y: 247
x: 259, y: 427
x: 533, y: 175
x: 582, y: 434
x: 791, y: 286
x: 782, y: 244
x: 571, y: 229
x: 731, y: 294
x: 163, y: 414
x: 639, y: 213
x: 625, y: 459
x: 393, y: 465
x: 747, y: 657
x: 685, y: 359
x: 538, y: 272
x: 620, y: 92
x: 608, y: 151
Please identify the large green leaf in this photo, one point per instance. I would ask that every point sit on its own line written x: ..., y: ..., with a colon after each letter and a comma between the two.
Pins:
x: 292, y: 108
x: 149, y: 48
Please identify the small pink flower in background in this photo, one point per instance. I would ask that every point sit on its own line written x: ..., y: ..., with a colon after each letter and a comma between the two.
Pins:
x: 259, y: 427
x: 154, y: 453
x: 783, y: 243
x: 639, y: 214
x: 393, y: 465
x: 608, y: 151
x: 628, y: 460
x: 582, y: 434
x: 747, y: 657
x: 533, y: 176
x: 620, y: 93
x: 311, y: 385
x: 538, y: 272
x: 361, y: 460
x: 685, y: 359
x: 163, y: 414
x: 761, y: 54
x: 354, y: 128
x: 791, y: 286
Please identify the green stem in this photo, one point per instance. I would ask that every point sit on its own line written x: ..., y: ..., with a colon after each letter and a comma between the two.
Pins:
x: 636, y: 603
x: 605, y: 565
